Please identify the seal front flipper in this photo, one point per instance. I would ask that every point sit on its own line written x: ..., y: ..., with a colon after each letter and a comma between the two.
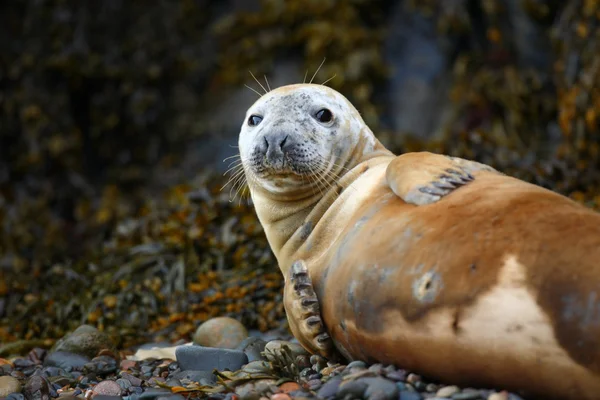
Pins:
x: 421, y: 178
x: 303, y: 313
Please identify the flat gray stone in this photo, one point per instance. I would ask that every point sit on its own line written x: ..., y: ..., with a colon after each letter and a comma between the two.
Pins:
x: 199, y: 358
x: 66, y: 359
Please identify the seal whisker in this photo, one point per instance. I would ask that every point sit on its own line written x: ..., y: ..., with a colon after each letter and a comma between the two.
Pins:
x: 315, y: 74
x: 334, y: 75
x: 259, y: 95
x: 305, y: 75
x: 257, y: 81
x: 230, y: 157
x: 267, y: 82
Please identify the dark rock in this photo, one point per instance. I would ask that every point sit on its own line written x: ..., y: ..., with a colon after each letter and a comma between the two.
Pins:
x: 37, y: 388
x: 253, y: 347
x: 106, y: 397
x: 353, y: 389
x: 85, y: 340
x: 22, y: 363
x: 124, y: 383
x: 330, y: 387
x: 380, y: 388
x: 172, y: 396
x: 153, y: 393
x: 409, y: 395
x: 65, y: 359
x: 134, y: 380
x: 15, y: 396
x: 53, y: 371
x: 397, y: 375
x: 198, y: 358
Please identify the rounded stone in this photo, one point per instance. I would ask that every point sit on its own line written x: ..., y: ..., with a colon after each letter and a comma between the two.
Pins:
x: 85, y: 340
x: 66, y: 359
x: 253, y: 347
x: 107, y: 388
x: 447, y: 391
x: 221, y: 332
x: 199, y: 358
x: 9, y: 385
x: 498, y: 396
x: 380, y: 388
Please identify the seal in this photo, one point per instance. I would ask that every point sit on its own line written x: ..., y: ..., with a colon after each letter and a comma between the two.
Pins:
x: 440, y: 265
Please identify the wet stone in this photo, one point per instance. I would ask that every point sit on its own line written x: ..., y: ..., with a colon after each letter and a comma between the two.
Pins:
x: 15, y: 396
x: 172, y: 396
x: 9, y: 385
x: 106, y: 397
x: 357, y: 364
x: 124, y: 383
x: 381, y: 388
x: 467, y: 395
x: 409, y: 395
x: 198, y: 358
x: 36, y: 388
x: 330, y: 387
x: 135, y: 381
x: 252, y: 347
x: 447, y: 391
x: 108, y: 388
x: 397, y: 375
x: 65, y: 359
x: 202, y: 377
x: 153, y: 393
x: 353, y: 389
x: 314, y: 384
x: 85, y: 340
x: 220, y: 332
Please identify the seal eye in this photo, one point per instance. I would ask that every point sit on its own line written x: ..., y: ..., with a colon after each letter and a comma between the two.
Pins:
x: 254, y: 120
x: 324, y: 115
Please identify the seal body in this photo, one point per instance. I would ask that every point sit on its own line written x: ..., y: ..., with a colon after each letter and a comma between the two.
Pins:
x: 481, y: 279
x: 496, y: 286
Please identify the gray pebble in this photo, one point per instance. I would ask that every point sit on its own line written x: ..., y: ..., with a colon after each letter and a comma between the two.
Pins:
x: 409, y: 395
x: 36, y: 388
x: 15, y: 396
x: 253, y: 347
x: 397, y: 375
x: 380, y: 388
x: 65, y: 359
x: 124, y: 383
x: 330, y: 387
x: 357, y: 364
x: 106, y: 397
x: 153, y: 393
x: 467, y: 395
x: 353, y: 389
x: 202, y: 377
x: 314, y: 384
x: 135, y: 381
x: 198, y: 358
x: 173, y: 396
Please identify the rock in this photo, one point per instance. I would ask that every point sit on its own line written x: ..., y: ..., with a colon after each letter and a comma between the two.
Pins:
x: 447, y: 391
x: 280, y: 396
x: 288, y: 387
x: 135, y: 381
x: 36, y: 388
x: 357, y: 364
x: 107, y: 388
x: 106, y: 397
x: 330, y: 387
x: 202, y: 377
x: 153, y: 393
x: 353, y: 389
x: 65, y: 359
x: 380, y: 388
x: 15, y: 396
x: 314, y: 384
x: 408, y: 395
x: 397, y: 375
x: 257, y: 367
x: 274, y: 348
x: 498, y: 396
x: 467, y: 395
x: 172, y: 396
x: 198, y: 358
x: 253, y: 347
x: 220, y: 332
x: 85, y: 340
x: 9, y: 385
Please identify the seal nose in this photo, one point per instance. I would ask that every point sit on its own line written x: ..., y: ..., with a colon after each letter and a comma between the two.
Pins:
x: 275, y: 145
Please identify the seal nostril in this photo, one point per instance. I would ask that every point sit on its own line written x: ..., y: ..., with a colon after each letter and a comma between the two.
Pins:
x: 266, y: 143
x: 283, y: 142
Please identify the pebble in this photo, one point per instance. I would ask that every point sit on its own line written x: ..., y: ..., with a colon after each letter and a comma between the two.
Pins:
x: 314, y: 384
x: 65, y: 360
x: 447, y: 391
x: 201, y: 377
x: 330, y: 387
x: 15, y: 396
x: 107, y: 388
x: 280, y: 396
x: 220, y: 332
x: 498, y: 396
x: 9, y: 385
x: 198, y: 358
x: 353, y: 389
x: 134, y: 380
x: 380, y: 388
x: 357, y: 365
x: 85, y: 340
x: 36, y: 388
x: 397, y: 375
x: 257, y: 367
x: 275, y: 347
x: 289, y: 387
x: 253, y: 347
x: 409, y: 395
x: 153, y: 393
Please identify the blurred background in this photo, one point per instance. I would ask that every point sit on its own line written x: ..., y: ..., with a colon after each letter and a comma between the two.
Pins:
x: 116, y: 116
